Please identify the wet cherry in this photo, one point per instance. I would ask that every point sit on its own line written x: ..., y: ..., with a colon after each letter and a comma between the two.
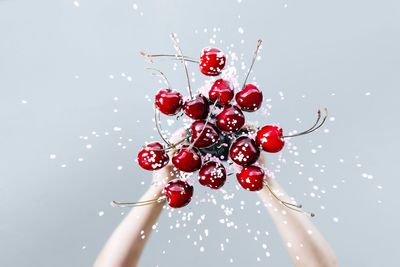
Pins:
x: 152, y: 157
x: 197, y: 108
x: 212, y: 61
x: 244, y: 151
x: 250, y: 98
x: 221, y: 89
x: 178, y: 193
x: 168, y: 101
x: 206, y: 137
x: 230, y: 119
x: 251, y: 178
x: 212, y: 174
x: 187, y: 159
x: 270, y: 138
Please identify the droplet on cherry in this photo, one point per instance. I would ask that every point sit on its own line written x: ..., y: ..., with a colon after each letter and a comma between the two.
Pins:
x: 251, y: 178
x: 187, y: 159
x: 152, y: 157
x: 230, y: 119
x: 168, y: 101
x: 212, y: 61
x: 270, y: 138
x: 178, y: 193
x: 244, y: 151
x: 212, y: 174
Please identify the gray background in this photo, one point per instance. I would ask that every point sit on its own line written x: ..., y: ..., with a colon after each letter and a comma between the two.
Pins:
x: 55, y: 92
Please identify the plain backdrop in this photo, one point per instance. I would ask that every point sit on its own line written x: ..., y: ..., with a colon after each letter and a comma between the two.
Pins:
x: 76, y: 105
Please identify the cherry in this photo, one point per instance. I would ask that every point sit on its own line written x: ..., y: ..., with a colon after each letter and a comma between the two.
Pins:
x: 244, y: 151
x: 250, y: 98
x: 230, y: 119
x: 222, y: 91
x: 251, y: 178
x: 212, y: 61
x: 187, y: 159
x: 152, y: 157
x: 197, y: 108
x: 212, y: 174
x: 203, y: 136
x: 178, y: 193
x: 270, y: 138
x: 168, y: 101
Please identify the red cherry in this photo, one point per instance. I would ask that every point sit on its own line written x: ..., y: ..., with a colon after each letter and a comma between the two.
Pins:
x: 251, y: 178
x: 250, y: 98
x: 197, y: 108
x: 231, y: 119
x: 178, y: 193
x: 222, y: 90
x: 244, y: 151
x: 152, y: 157
x: 187, y: 160
x: 212, y: 174
x: 168, y: 101
x: 212, y: 61
x: 207, y: 138
x: 270, y: 138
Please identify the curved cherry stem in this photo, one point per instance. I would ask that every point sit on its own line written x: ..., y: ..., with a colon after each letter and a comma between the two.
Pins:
x: 158, y: 125
x: 205, y: 124
x: 160, y: 74
x: 169, y: 56
x: 315, y: 127
x: 139, y: 203
x: 180, y: 54
x: 291, y: 206
x: 156, y: 111
x: 259, y: 41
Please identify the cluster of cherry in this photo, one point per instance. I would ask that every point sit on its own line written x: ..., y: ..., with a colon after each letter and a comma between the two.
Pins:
x: 222, y: 136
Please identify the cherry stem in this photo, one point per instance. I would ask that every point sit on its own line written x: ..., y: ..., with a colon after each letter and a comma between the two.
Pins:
x: 172, y: 146
x: 138, y: 204
x: 160, y: 74
x: 158, y: 125
x: 259, y: 41
x: 315, y: 127
x: 174, y: 57
x: 205, y: 124
x: 180, y: 54
x: 291, y: 206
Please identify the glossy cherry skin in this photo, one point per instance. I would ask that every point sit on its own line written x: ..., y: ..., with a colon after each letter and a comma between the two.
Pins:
x: 244, y: 151
x: 197, y: 108
x: 230, y: 119
x: 212, y: 61
x: 207, y: 138
x: 221, y: 89
x: 187, y: 160
x: 152, y: 157
x: 270, y: 138
x: 251, y: 178
x: 212, y: 174
x: 168, y: 101
x: 178, y: 193
x: 250, y: 98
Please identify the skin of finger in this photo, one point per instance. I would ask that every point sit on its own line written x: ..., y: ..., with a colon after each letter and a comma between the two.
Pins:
x: 176, y: 137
